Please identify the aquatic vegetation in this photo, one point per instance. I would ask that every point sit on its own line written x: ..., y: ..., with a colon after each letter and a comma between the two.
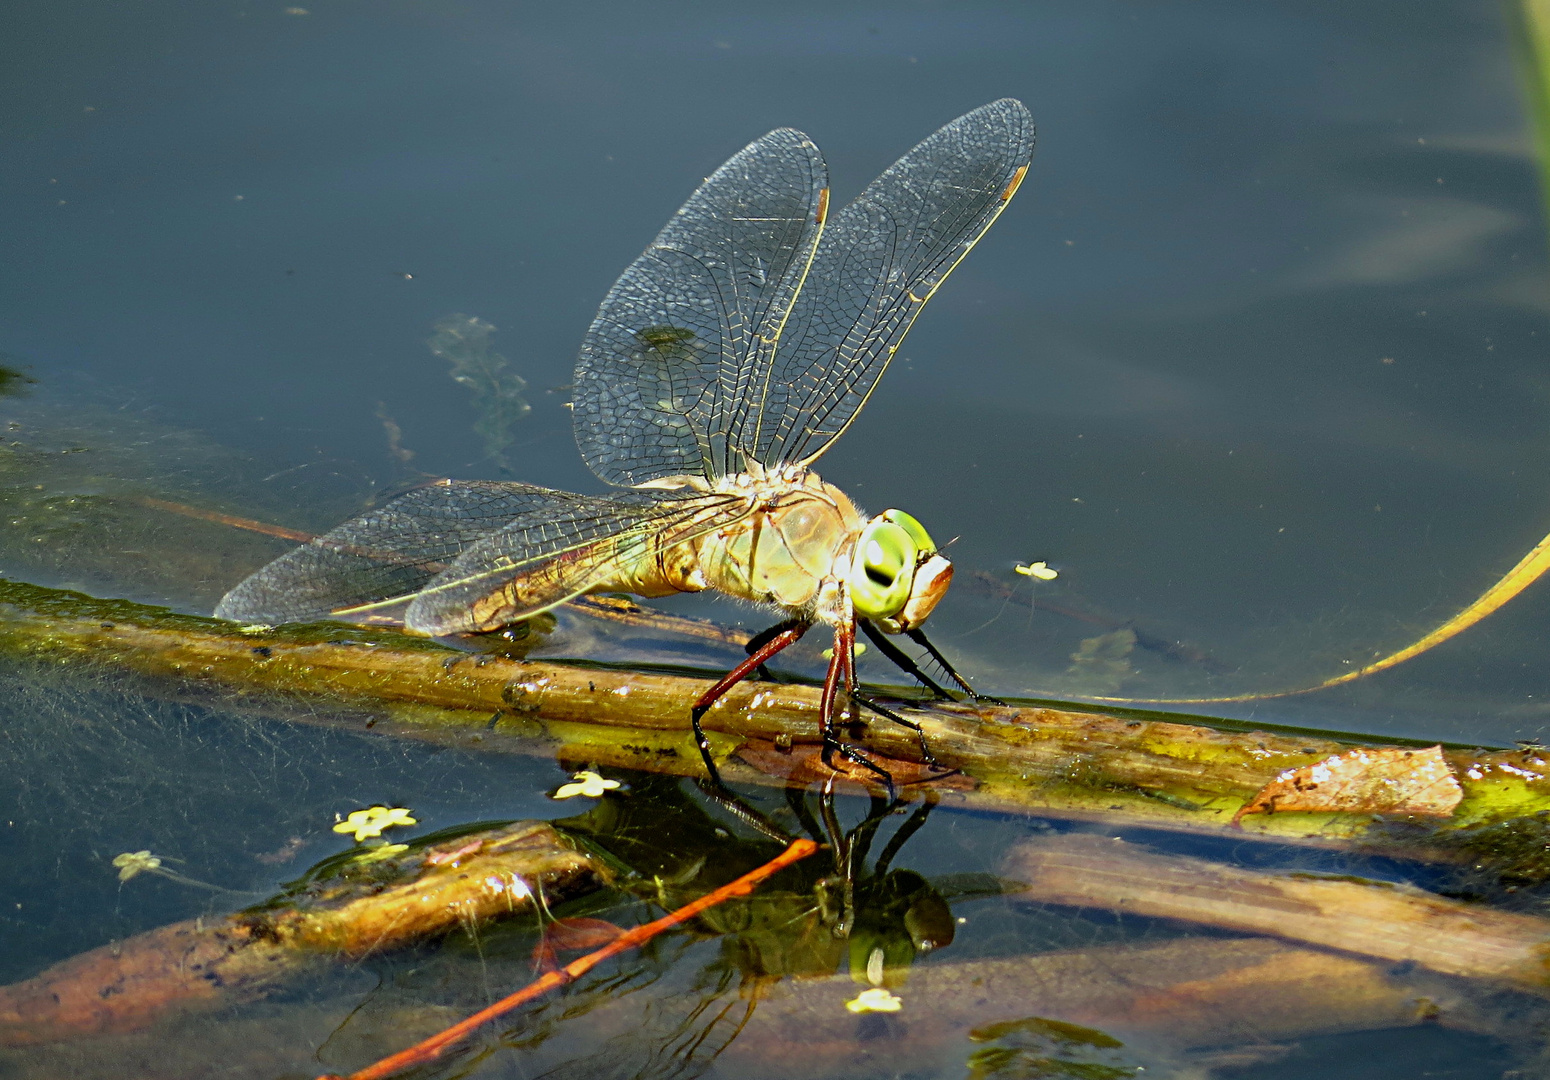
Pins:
x: 132, y: 863
x: 1101, y: 664
x: 1036, y: 1048
x: 372, y: 820
x: 588, y: 784
x: 464, y: 341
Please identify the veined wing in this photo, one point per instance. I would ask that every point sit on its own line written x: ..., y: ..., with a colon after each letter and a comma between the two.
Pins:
x: 390, y: 552
x: 556, y: 551
x: 881, y: 259
x: 686, y: 334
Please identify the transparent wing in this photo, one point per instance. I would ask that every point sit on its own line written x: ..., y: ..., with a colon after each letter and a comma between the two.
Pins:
x: 881, y: 259
x: 685, y: 336
x: 553, y: 552
x: 391, y: 551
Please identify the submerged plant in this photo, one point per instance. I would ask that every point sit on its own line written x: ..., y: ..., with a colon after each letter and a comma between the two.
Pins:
x: 464, y: 342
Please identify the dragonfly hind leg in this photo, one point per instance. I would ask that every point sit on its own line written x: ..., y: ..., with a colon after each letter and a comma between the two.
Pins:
x: 764, y: 637
x: 773, y: 641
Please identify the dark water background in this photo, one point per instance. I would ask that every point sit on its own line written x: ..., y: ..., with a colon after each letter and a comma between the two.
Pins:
x: 1256, y: 358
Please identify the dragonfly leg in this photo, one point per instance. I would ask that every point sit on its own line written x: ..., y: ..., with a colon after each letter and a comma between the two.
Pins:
x: 840, y: 680
x: 763, y: 637
x: 902, y: 660
x: 925, y: 750
x: 743, y: 812
x: 788, y: 636
x: 918, y: 636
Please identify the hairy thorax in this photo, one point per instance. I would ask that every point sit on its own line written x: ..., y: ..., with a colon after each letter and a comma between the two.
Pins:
x: 791, y: 549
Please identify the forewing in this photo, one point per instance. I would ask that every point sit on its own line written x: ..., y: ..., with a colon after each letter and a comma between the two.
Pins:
x: 390, y: 552
x: 881, y: 259
x: 558, y: 552
x: 687, y: 333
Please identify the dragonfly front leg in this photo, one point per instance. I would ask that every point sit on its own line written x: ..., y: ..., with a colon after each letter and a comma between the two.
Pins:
x: 918, y: 636
x: 904, y: 662
x: 786, y: 634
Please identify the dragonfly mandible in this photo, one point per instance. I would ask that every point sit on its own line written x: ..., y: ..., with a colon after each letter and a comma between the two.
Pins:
x: 726, y: 359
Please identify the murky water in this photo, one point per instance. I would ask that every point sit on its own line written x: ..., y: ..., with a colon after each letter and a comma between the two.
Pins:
x: 1255, y: 360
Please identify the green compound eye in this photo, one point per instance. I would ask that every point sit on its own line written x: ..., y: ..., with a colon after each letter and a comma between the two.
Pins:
x: 923, y: 542
x: 883, y: 569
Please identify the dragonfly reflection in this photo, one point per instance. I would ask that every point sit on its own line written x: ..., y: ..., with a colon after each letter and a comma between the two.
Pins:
x: 721, y: 365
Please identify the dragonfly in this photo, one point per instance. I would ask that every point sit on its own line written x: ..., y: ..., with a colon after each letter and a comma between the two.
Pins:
x: 721, y: 365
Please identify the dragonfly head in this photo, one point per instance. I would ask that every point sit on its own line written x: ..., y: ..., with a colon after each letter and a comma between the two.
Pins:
x: 896, y: 574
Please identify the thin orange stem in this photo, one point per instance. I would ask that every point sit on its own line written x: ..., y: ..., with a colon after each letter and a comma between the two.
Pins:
x: 433, y: 1048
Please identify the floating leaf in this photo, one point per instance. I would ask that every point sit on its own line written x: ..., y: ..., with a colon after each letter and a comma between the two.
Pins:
x: 133, y: 863
x: 585, y: 783
x: 370, y: 822
x: 1365, y: 781
x: 577, y: 934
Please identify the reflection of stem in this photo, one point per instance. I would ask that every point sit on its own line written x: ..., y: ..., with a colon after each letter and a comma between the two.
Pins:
x: 433, y: 1048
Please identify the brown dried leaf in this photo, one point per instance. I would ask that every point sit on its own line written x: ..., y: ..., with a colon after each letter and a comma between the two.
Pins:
x: 1365, y: 781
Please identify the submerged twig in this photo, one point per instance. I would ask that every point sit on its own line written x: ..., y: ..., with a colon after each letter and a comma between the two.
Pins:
x: 1166, y: 1001
x: 355, y: 904
x: 438, y: 1045
x: 1381, y: 919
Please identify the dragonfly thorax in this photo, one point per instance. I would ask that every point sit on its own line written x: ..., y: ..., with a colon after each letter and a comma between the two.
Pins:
x: 805, y: 547
x: 791, y: 549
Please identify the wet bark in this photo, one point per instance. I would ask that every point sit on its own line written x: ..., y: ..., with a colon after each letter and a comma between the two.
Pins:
x: 1139, y: 768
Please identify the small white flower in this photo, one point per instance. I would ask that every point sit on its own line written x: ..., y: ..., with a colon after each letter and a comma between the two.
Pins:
x: 589, y: 784
x: 874, y: 1000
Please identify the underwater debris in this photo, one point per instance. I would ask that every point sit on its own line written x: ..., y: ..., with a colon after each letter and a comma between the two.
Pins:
x: 339, y: 910
x: 464, y: 342
x: 1101, y: 664
x: 1386, y: 920
x: 1158, y: 999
